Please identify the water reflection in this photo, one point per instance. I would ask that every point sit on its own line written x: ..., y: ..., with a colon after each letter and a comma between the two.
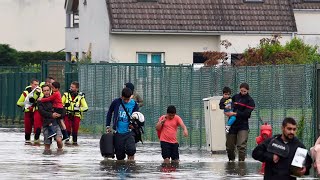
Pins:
x: 121, y: 169
x: 53, y: 152
x: 236, y: 168
x: 169, y: 167
x: 20, y: 161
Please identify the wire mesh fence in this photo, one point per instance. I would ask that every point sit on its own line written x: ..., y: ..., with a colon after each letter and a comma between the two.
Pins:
x: 278, y: 91
x: 11, y: 87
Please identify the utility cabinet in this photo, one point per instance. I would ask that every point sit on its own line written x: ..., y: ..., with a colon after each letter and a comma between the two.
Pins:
x: 215, y: 125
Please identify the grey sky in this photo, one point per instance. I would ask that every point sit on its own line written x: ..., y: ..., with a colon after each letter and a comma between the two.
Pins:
x: 32, y: 25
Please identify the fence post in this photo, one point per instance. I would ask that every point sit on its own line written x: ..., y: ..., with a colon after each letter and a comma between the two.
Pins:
x: 317, y: 98
x: 190, y: 106
x: 202, y: 119
x: 44, y: 70
x: 5, y: 109
x: 1, y: 92
x: 257, y: 102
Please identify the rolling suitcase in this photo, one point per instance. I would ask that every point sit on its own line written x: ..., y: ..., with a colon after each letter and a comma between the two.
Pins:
x: 106, y: 145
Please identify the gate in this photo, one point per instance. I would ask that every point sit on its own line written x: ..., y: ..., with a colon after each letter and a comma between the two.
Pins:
x: 62, y: 71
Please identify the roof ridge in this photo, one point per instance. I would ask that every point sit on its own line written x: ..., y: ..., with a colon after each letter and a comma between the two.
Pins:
x: 202, y: 15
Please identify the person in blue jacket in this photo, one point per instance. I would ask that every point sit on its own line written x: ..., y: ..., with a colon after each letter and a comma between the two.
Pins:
x: 122, y: 109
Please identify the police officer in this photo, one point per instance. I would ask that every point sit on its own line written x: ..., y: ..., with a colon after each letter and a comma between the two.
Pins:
x: 31, y: 113
x: 75, y: 104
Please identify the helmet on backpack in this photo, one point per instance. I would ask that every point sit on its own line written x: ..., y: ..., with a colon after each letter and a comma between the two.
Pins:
x: 138, y: 116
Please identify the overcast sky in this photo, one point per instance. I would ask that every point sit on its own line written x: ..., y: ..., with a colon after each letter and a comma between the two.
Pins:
x: 31, y: 25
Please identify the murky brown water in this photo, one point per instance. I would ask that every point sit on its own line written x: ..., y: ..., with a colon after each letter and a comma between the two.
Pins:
x: 20, y: 161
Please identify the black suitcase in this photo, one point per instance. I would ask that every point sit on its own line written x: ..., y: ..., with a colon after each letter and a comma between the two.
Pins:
x: 106, y: 145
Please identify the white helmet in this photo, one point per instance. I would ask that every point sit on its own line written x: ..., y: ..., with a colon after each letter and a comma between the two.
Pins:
x: 138, y: 115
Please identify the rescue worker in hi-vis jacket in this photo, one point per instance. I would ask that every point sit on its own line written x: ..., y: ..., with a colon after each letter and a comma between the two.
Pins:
x: 28, y: 101
x: 75, y: 104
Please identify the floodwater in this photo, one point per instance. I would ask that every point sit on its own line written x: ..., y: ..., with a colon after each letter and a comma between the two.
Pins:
x: 20, y: 161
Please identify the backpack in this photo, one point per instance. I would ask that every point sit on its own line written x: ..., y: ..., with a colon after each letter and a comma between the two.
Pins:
x: 160, y: 130
x: 137, y: 126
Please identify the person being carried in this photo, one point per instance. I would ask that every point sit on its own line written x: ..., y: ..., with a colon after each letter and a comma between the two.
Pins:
x: 168, y: 126
x: 55, y: 98
x: 227, y: 106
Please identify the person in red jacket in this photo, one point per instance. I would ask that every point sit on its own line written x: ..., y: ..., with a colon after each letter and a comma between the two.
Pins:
x: 265, y: 133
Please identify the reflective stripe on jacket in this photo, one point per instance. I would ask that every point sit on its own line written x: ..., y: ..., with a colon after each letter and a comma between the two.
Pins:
x: 22, y: 98
x: 77, y: 102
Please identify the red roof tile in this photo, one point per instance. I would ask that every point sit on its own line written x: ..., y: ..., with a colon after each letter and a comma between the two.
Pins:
x: 305, y: 4
x: 201, y: 15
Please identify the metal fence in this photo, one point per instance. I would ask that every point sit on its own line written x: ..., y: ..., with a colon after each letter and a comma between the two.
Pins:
x: 278, y: 91
x: 11, y: 86
x: 13, y: 82
x: 62, y: 71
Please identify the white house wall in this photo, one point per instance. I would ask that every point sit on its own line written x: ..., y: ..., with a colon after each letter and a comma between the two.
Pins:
x: 72, y: 39
x: 242, y: 42
x: 32, y: 25
x: 308, y: 25
x: 93, y: 28
x: 178, y: 49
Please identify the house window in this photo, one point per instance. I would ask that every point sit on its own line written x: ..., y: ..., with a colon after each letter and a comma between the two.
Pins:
x: 232, y: 58
x: 198, y: 58
x: 72, y: 20
x: 235, y: 57
x: 68, y: 56
x: 142, y: 58
x: 75, y: 20
x: 156, y: 58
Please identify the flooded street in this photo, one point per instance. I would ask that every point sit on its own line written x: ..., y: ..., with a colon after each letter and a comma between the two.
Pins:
x: 20, y: 161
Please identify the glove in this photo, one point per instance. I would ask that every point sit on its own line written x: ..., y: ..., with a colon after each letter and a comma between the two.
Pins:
x: 67, y: 105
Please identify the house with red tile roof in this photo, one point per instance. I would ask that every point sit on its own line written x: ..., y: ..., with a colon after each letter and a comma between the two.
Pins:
x: 307, y: 17
x: 178, y: 31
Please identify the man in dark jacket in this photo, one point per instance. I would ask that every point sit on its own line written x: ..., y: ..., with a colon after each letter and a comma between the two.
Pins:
x: 239, y: 130
x: 122, y: 108
x: 279, y: 151
x: 135, y: 95
x: 46, y: 111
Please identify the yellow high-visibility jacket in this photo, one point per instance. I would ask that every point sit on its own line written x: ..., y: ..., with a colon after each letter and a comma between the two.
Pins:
x: 77, y: 106
x: 23, y: 96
